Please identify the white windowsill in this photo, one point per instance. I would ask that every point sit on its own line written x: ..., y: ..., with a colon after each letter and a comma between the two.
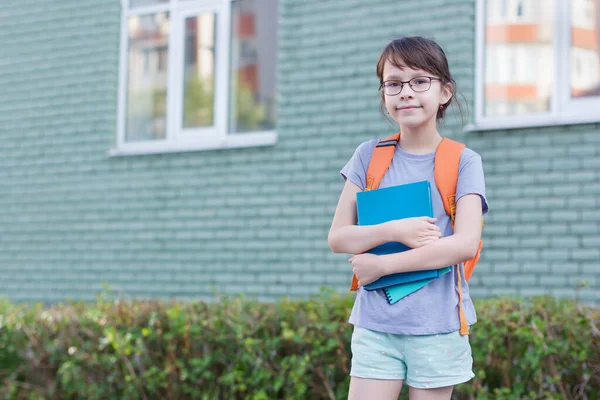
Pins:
x: 516, y: 123
x: 255, y: 139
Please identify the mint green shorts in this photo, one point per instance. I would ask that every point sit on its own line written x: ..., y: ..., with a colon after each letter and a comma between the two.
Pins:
x: 423, y: 362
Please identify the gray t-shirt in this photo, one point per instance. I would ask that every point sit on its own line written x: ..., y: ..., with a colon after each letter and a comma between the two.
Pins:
x: 432, y: 309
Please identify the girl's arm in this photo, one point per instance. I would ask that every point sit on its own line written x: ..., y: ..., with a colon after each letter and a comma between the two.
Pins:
x: 450, y: 250
x: 347, y: 237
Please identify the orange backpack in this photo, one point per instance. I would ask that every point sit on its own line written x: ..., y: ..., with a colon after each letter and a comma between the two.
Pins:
x: 445, y: 171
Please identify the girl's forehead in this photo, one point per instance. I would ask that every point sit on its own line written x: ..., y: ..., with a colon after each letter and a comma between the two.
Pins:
x: 400, y: 70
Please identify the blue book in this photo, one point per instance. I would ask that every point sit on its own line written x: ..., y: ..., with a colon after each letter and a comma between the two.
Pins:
x: 391, y: 203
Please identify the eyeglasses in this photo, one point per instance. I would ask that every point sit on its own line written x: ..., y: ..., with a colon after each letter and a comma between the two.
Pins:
x: 417, y: 84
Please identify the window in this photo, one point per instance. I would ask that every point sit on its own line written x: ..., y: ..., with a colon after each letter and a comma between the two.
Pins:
x: 538, y: 62
x: 196, y: 74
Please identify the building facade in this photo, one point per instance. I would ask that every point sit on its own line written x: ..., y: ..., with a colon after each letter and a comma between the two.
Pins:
x: 174, y: 148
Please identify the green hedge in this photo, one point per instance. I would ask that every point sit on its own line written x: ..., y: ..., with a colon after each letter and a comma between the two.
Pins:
x: 236, y: 348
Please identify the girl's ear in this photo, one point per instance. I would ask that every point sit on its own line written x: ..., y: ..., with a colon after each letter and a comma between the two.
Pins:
x: 446, y: 94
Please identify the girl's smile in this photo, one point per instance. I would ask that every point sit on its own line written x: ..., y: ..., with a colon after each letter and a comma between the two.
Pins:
x: 407, y: 108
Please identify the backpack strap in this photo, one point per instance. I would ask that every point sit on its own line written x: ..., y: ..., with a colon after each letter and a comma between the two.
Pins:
x: 381, y: 160
x: 445, y: 172
x: 380, y: 163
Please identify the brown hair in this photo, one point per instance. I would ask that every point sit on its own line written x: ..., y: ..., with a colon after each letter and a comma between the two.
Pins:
x: 417, y: 52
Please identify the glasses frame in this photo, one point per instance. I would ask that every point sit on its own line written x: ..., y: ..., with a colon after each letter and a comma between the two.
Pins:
x: 402, y: 83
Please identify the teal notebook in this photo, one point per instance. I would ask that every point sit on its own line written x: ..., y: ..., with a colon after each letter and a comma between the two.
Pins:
x: 391, y: 203
x: 396, y: 292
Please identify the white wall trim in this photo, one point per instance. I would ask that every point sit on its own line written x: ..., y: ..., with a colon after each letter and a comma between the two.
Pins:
x: 122, y: 97
x: 516, y: 123
x: 479, y: 58
x: 254, y: 139
x: 165, y: 7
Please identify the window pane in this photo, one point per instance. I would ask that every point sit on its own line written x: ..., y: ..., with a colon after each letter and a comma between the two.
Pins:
x: 199, y: 71
x: 585, y: 48
x: 253, y: 56
x: 147, y: 77
x: 518, y: 57
x: 142, y: 3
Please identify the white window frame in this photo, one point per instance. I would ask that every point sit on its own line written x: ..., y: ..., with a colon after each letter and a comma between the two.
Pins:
x: 178, y: 139
x: 563, y: 109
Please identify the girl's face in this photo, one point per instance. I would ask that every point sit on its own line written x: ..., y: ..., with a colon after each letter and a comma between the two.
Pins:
x: 412, y: 107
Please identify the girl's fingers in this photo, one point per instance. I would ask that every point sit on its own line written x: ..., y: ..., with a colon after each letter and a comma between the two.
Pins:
x: 433, y: 232
x: 429, y: 239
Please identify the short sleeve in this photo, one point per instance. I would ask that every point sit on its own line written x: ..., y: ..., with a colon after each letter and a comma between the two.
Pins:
x: 470, y: 177
x: 355, y: 169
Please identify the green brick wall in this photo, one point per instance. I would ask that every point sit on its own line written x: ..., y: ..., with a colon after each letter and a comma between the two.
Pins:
x: 544, y: 236
x: 254, y: 220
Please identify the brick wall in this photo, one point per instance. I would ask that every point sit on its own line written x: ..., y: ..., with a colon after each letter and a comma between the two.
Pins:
x: 544, y: 234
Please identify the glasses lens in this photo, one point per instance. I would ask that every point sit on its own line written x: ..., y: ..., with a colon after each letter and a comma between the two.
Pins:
x: 420, y: 84
x: 392, y: 88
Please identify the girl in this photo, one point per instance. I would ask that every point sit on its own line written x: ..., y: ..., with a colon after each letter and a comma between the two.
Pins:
x: 415, y: 340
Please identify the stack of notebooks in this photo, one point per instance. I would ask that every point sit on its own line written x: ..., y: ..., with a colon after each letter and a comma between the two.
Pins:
x: 397, y: 202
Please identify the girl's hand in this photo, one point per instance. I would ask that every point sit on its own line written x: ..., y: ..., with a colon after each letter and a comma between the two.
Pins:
x: 367, y: 268
x: 414, y: 232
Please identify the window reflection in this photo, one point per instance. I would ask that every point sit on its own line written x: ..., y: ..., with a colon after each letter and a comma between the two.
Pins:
x: 199, y: 71
x: 585, y: 48
x: 518, y: 57
x: 147, y: 77
x: 253, y: 65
